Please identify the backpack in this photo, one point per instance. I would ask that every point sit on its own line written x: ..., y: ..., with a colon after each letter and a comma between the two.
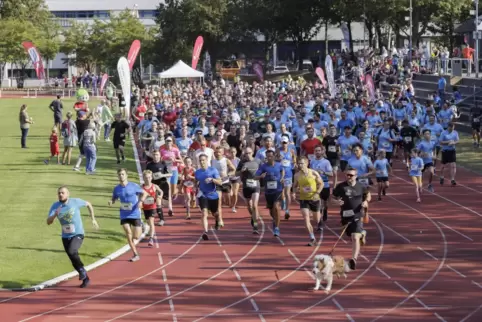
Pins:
x: 65, y: 130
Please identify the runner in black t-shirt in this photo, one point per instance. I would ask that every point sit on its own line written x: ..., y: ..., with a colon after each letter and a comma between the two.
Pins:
x: 120, y: 128
x: 330, y: 143
x: 160, y: 173
x: 476, y: 117
x: 353, y: 197
x: 408, y: 135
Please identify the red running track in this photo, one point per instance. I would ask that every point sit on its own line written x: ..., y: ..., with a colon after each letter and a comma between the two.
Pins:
x: 421, y: 262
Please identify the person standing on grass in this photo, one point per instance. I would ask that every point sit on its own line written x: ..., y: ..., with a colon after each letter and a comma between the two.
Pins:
x: 87, y: 142
x: 81, y: 124
x: 69, y: 133
x: 54, y: 146
x: 131, y: 197
x: 25, y: 122
x: 57, y: 107
x: 67, y: 211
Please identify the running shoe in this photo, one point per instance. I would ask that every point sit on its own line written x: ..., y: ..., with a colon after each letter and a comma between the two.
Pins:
x: 135, y: 258
x: 379, y: 198
x: 188, y: 217
x: 276, y: 232
x: 85, y: 282
x: 363, y: 239
x: 216, y: 224
x: 170, y: 213
x: 255, y: 230
x: 325, y: 215
x: 287, y: 215
x: 234, y: 209
x: 205, y: 236
x: 352, y: 264
x: 430, y: 188
x: 82, y: 274
x: 453, y: 183
x: 442, y: 180
x: 76, y: 169
x: 151, y: 242
x: 312, y: 242
x: 384, y: 192
x: 320, y: 226
x: 160, y: 223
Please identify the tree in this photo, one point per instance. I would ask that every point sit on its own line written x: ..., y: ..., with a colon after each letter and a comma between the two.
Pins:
x: 48, y: 42
x: 78, y: 46
x: 347, y: 11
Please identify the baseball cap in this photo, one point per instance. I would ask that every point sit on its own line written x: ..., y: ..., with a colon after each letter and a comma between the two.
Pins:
x: 285, y: 139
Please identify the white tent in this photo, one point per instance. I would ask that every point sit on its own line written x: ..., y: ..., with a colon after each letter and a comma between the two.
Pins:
x: 181, y: 70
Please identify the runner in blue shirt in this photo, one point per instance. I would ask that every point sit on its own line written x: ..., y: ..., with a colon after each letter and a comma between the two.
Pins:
x: 427, y: 150
x: 416, y: 167
x: 382, y: 168
x: 67, y: 210
x: 448, y: 140
x: 273, y: 174
x: 131, y: 196
x: 208, y: 198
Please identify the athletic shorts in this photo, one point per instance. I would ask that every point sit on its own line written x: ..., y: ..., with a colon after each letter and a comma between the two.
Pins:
x: 165, y: 190
x: 312, y: 205
x: 118, y: 143
x: 148, y: 213
x: 57, y: 119
x: 248, y: 192
x: 427, y: 165
x: 225, y: 187
x: 449, y: 156
x: 212, y: 205
x: 407, y: 147
x: 476, y: 127
x: 288, y: 182
x: 355, y: 226
x: 382, y: 179
x: 343, y: 165
x: 132, y: 222
x: 272, y: 198
x: 335, y: 163
x: 325, y: 194
x: 175, y: 177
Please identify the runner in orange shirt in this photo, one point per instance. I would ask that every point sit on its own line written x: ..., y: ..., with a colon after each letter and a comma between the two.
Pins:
x: 308, y: 146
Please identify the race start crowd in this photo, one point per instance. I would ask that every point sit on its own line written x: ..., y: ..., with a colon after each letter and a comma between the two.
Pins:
x: 286, y: 140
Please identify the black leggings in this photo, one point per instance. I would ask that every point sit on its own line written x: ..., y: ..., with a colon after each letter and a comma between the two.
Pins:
x: 72, y: 246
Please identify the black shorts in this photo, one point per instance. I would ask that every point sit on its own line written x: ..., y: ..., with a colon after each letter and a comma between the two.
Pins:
x: 225, y: 187
x: 437, y: 150
x: 343, y: 165
x: 355, y: 226
x: 248, y: 192
x: 426, y: 166
x: 449, y: 157
x: 335, y: 163
x: 58, y: 119
x: 132, y: 222
x: 117, y: 143
x: 212, y: 205
x: 272, y: 198
x: 148, y: 213
x: 325, y: 194
x: 476, y: 127
x: 382, y: 179
x: 165, y: 190
x: 313, y: 205
x: 407, y: 147
x: 388, y: 156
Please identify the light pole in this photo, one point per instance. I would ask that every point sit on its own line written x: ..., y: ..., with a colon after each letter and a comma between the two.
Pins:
x: 477, y: 38
x: 411, y: 32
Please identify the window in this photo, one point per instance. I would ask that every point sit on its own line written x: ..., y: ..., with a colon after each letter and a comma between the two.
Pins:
x: 148, y: 13
x: 81, y: 14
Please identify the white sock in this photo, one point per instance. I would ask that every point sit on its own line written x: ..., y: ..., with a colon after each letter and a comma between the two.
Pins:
x: 79, y: 161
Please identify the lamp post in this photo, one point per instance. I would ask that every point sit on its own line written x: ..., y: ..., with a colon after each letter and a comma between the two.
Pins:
x: 477, y: 38
x: 411, y: 31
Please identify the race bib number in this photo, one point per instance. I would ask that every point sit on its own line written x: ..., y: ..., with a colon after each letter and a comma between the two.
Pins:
x: 408, y: 139
x: 364, y: 181
x: 141, y: 114
x: 348, y: 213
x: 332, y: 148
x: 346, y: 152
x: 149, y: 201
x: 386, y: 144
x: 286, y: 163
x: 68, y: 229
x: 234, y: 178
x: 126, y: 206
x: 251, y: 183
x: 157, y: 175
x: 188, y: 184
x: 307, y: 189
x: 414, y: 167
x: 272, y: 185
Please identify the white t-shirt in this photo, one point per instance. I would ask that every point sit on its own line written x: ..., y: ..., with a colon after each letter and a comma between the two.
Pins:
x: 207, y: 151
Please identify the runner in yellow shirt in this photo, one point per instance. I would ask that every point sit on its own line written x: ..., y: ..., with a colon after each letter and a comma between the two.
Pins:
x: 308, y: 184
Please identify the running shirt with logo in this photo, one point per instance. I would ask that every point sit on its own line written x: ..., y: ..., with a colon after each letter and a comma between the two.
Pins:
x: 150, y: 201
x: 384, y: 137
x: 416, y: 166
x: 352, y: 197
x: 381, y: 168
x: 408, y: 134
x: 69, y: 216
x: 248, y: 176
x: 309, y: 145
x: 322, y: 166
x: 157, y: 170
x: 346, y: 144
x: 207, y: 190
x: 426, y: 149
x: 435, y: 131
x: 330, y: 144
x: 449, y: 136
x: 272, y: 178
x: 287, y: 164
x: 445, y: 117
x: 362, y: 165
x: 128, y: 197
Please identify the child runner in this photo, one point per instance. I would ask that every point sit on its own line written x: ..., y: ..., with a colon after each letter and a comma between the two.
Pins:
x: 188, y: 186
x: 382, y: 168
x: 416, y: 167
x: 154, y: 197
x: 54, y: 146
x: 427, y: 151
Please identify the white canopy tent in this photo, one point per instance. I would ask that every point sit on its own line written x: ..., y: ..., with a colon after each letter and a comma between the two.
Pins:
x: 181, y: 70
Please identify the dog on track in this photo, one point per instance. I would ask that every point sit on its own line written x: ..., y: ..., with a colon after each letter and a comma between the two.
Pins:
x: 326, y: 266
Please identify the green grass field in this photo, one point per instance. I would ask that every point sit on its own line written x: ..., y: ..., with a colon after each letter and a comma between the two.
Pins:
x: 31, y: 251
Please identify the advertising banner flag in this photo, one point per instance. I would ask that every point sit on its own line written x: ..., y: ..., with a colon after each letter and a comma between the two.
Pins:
x: 321, y: 75
x: 258, y: 69
x: 36, y: 59
x: 104, y: 80
x: 330, y: 76
x: 196, y: 51
x: 133, y: 52
x: 346, y: 35
x: 125, y: 80
x: 370, y: 86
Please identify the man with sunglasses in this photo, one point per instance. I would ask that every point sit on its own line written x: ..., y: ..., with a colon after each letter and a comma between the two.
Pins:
x: 353, y: 197
x: 247, y: 168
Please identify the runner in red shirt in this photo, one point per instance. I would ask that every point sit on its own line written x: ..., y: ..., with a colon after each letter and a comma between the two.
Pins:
x: 308, y: 146
x: 139, y: 113
x: 151, y: 203
x: 54, y: 146
x: 188, y: 188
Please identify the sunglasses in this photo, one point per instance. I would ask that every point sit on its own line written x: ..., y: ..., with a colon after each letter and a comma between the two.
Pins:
x: 350, y: 175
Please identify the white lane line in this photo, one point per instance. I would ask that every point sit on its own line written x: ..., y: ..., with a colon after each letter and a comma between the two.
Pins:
x: 255, y: 306
x: 161, y: 262
x: 396, y: 233
x: 455, y: 271
x: 338, y: 305
x: 216, y: 237
x: 168, y: 290
x: 227, y: 257
x: 310, y: 274
x: 277, y: 237
x: 439, y: 317
x: 294, y: 256
x: 156, y: 242
x: 383, y: 273
x: 401, y: 287
x: 428, y: 254
x: 77, y: 317
x: 365, y: 258
x: 475, y: 283
x: 245, y: 289
x: 235, y: 271
x: 14, y: 297
x: 336, y: 234
x: 164, y: 276
x: 348, y: 316
x: 456, y: 231
x: 421, y: 303
x: 471, y: 314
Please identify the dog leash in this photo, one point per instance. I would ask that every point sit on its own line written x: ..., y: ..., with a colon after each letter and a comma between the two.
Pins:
x: 341, y: 235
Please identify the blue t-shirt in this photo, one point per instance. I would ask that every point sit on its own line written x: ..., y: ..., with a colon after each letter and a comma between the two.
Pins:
x: 416, y: 166
x: 128, y: 197
x: 183, y: 144
x: 208, y: 190
x: 449, y: 136
x: 346, y: 145
x: 273, y: 177
x: 426, y: 149
x: 322, y: 166
x: 362, y: 165
x: 287, y: 163
x: 381, y: 168
x: 69, y: 216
